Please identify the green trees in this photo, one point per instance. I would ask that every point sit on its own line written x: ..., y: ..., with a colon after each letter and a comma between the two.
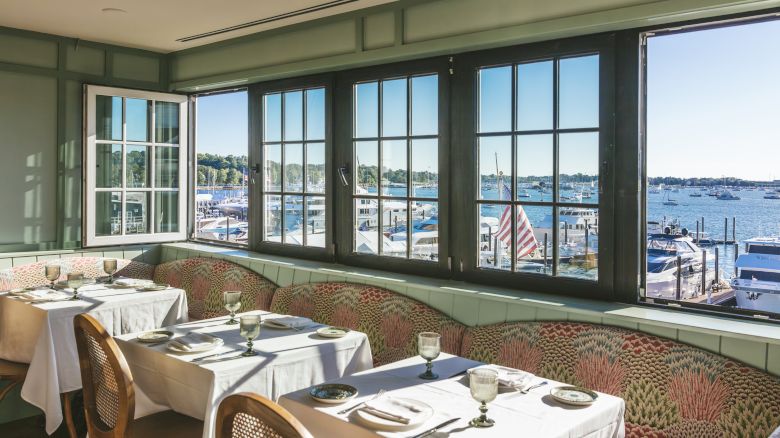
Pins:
x: 221, y: 170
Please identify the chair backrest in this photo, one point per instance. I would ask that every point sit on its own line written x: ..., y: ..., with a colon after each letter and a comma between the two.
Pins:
x: 109, y: 399
x: 247, y: 415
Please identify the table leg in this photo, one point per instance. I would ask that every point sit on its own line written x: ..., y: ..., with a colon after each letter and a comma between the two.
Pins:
x: 68, y: 414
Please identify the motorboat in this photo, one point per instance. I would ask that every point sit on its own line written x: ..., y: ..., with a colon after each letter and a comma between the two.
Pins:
x: 727, y: 196
x: 757, y: 284
x: 662, y: 269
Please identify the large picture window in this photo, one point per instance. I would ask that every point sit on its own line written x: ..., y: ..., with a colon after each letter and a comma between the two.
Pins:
x: 135, y: 160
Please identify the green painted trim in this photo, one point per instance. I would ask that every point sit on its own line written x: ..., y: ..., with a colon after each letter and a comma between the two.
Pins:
x: 360, y: 34
x: 400, y: 25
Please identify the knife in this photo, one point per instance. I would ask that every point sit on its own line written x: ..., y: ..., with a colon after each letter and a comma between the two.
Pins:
x: 436, y: 428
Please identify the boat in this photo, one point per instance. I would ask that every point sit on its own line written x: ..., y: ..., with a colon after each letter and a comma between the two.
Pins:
x: 523, y: 194
x: 695, y: 194
x: 727, y: 196
x: 662, y: 252
x: 772, y: 195
x: 669, y: 201
x: 573, y: 223
x: 757, y: 284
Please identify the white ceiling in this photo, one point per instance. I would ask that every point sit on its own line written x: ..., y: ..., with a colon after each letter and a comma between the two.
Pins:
x: 157, y: 24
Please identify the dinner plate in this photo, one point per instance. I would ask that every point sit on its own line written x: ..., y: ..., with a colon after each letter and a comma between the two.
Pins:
x: 573, y: 395
x: 155, y: 336
x: 333, y: 393
x: 155, y: 287
x: 333, y: 332
x: 18, y: 291
x: 217, y: 343
x: 379, y: 423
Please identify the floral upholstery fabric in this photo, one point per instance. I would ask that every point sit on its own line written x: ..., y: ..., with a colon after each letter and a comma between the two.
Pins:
x: 390, y: 320
x: 671, y: 389
x: 205, y: 279
x: 33, y: 274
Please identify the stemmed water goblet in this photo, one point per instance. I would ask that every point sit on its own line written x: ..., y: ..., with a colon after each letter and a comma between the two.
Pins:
x: 75, y: 281
x: 429, y: 347
x: 232, y: 301
x: 484, y: 388
x: 109, y: 267
x: 52, y: 274
x: 249, y: 329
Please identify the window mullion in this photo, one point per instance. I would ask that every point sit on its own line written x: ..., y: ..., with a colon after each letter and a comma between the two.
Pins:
x: 379, y: 202
x: 555, y: 225
x: 123, y: 200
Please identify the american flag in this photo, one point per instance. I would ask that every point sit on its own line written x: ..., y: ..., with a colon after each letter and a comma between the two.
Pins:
x: 526, y: 241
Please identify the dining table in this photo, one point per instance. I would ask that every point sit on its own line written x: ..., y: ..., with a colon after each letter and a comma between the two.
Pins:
x: 194, y: 384
x: 38, y: 330
x: 532, y: 414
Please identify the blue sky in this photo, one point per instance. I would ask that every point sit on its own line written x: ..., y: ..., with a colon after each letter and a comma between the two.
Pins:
x: 222, y: 124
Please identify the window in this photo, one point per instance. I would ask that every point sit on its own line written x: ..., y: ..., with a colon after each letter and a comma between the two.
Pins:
x: 222, y: 172
x: 712, y: 206
x: 136, y: 155
x: 538, y: 140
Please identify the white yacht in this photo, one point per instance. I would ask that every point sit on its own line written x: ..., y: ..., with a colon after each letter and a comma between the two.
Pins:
x: 574, y: 222
x: 662, y: 253
x: 757, y: 285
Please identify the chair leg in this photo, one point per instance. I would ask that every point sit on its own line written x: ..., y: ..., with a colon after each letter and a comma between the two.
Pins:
x: 68, y: 414
x: 4, y: 392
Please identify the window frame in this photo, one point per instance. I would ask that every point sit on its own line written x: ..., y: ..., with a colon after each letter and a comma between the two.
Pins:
x: 344, y: 111
x: 89, y: 161
x: 257, y: 168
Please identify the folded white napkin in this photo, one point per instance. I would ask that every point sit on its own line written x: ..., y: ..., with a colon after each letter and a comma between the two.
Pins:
x: 44, y: 295
x: 193, y: 340
x: 289, y: 321
x: 126, y: 281
x: 518, y: 378
x: 392, y: 409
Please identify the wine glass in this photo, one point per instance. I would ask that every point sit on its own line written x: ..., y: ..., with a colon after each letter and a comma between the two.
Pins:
x: 232, y: 301
x: 52, y: 274
x: 249, y: 329
x: 75, y: 281
x: 109, y: 267
x: 429, y: 347
x: 484, y: 388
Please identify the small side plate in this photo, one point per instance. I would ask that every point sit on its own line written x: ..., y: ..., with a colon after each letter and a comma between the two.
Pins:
x: 333, y: 332
x: 155, y: 287
x: 155, y: 336
x: 333, y: 393
x: 573, y: 395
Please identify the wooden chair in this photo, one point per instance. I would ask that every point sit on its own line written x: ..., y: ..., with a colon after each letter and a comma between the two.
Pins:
x: 247, y: 415
x: 13, y: 372
x: 109, y: 398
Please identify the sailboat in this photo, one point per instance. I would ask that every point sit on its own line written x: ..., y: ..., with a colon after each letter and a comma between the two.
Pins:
x: 668, y: 200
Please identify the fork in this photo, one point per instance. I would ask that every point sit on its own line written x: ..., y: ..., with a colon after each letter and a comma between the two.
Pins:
x: 353, y: 407
x: 525, y: 390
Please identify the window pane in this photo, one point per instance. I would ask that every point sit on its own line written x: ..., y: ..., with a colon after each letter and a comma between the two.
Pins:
x: 578, y: 239
x: 425, y: 105
x: 166, y: 212
x: 315, y: 167
x: 366, y: 110
x: 293, y: 167
x: 108, y: 213
x: 315, y: 114
x: 315, y: 221
x: 493, y: 252
x: 394, y: 108
x: 534, y: 167
x: 425, y: 230
x: 393, y: 222
x: 166, y: 167
x: 108, y: 166
x: 366, y: 226
x: 273, y: 168
x: 579, y: 167
x: 273, y: 218
x: 108, y: 118
x: 533, y: 230
x: 137, y: 212
x: 166, y: 119
x: 495, y: 168
x: 579, y: 92
x: 425, y: 168
x: 139, y: 116
x: 272, y: 117
x: 137, y: 166
x: 535, y: 96
x: 293, y: 220
x: 293, y: 116
x: 366, y: 155
x: 394, y: 168
x: 495, y: 99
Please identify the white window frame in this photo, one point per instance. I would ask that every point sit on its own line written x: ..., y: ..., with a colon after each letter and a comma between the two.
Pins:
x: 90, y: 175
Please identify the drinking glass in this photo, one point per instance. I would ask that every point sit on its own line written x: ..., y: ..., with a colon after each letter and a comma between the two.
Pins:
x: 232, y: 301
x: 484, y: 388
x: 429, y: 347
x: 75, y: 281
x: 109, y: 267
x: 249, y: 329
x: 52, y: 274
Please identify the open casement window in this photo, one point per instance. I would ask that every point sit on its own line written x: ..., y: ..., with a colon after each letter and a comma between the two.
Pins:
x: 135, y: 161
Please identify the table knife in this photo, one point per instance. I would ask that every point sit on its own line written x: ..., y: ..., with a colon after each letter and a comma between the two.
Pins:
x: 435, y: 428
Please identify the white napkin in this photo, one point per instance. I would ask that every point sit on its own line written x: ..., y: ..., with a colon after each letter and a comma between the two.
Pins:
x: 193, y: 340
x: 44, y: 294
x: 126, y: 281
x: 290, y: 321
x: 392, y: 409
x: 522, y: 378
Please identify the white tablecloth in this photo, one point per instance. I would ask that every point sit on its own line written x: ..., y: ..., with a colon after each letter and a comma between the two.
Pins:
x: 42, y: 335
x: 288, y: 360
x: 530, y: 415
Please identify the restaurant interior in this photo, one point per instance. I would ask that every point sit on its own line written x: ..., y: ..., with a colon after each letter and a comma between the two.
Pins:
x: 326, y: 218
